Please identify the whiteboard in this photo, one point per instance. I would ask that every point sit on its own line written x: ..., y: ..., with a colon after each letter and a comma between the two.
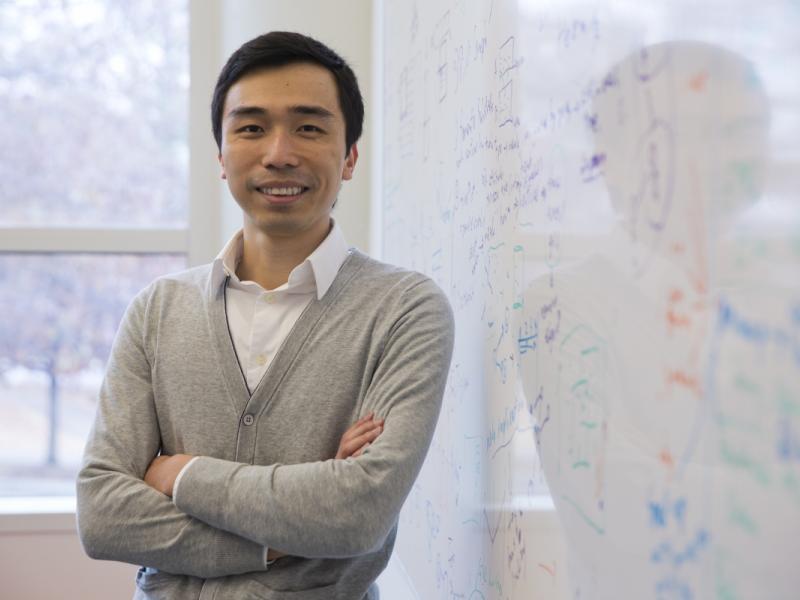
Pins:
x: 609, y: 194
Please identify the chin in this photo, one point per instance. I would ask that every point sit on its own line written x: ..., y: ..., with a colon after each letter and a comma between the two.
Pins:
x: 282, y: 227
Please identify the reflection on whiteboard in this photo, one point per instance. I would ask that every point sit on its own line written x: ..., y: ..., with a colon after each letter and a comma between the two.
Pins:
x: 610, y: 196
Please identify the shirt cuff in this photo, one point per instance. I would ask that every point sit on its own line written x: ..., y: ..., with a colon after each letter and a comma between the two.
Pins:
x: 178, y: 478
x: 266, y: 557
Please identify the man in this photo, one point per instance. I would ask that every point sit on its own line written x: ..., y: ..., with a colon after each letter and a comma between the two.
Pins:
x: 221, y: 457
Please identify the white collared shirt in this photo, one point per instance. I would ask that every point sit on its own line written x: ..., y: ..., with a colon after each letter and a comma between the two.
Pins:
x: 259, y: 319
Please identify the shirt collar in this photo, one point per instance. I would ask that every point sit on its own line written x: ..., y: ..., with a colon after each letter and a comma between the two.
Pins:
x: 316, y: 272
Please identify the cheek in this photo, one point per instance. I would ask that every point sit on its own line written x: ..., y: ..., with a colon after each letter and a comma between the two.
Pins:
x: 334, y: 162
x: 235, y: 173
x: 236, y: 156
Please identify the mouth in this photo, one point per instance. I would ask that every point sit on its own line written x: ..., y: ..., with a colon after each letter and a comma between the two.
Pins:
x: 282, y: 193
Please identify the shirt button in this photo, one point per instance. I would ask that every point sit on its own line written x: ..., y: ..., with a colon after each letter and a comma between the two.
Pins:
x: 261, y: 359
x: 269, y: 299
x: 248, y: 419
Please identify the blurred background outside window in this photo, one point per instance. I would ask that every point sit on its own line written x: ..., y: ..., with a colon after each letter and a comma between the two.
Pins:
x: 94, y: 205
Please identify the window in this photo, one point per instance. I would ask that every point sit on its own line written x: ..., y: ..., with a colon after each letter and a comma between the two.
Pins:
x: 93, y: 206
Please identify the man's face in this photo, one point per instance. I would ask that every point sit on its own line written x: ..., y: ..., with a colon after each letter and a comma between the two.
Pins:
x: 283, y: 150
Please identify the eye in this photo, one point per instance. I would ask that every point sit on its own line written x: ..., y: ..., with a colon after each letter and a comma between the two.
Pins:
x: 250, y: 129
x: 310, y: 129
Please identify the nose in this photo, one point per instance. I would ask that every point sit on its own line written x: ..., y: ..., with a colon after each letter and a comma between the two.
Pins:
x: 279, y: 150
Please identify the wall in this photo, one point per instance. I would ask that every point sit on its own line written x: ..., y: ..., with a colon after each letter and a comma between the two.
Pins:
x: 41, y: 557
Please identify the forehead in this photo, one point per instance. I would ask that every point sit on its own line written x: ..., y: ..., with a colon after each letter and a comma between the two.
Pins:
x: 276, y: 88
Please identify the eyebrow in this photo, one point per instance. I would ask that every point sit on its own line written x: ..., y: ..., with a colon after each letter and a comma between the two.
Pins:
x: 299, y: 109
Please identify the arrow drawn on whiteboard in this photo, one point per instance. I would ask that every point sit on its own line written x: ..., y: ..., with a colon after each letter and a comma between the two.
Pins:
x: 492, y: 532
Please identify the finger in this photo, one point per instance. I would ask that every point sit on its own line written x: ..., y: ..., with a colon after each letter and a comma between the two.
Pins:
x: 360, y: 451
x: 359, y: 429
x: 363, y: 433
x: 351, y: 446
x: 355, y: 443
x: 364, y: 419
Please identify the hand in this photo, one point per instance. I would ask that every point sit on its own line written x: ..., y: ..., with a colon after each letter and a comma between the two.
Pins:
x: 360, y: 435
x: 163, y: 471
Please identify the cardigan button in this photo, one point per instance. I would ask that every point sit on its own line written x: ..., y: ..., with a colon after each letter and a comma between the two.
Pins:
x: 248, y: 419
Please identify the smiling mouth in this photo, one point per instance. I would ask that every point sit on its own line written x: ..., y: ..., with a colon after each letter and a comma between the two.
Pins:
x: 282, y: 194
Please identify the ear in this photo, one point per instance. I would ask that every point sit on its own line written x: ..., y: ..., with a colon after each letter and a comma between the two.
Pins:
x: 222, y: 164
x: 350, y: 163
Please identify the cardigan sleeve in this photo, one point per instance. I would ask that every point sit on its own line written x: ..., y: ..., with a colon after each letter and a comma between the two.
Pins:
x: 122, y: 518
x: 342, y: 508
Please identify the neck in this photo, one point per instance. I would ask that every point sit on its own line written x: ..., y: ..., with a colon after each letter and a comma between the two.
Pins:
x: 268, y: 259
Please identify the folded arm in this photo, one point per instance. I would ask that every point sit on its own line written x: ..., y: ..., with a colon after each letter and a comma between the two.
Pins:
x: 340, y: 508
x: 163, y: 472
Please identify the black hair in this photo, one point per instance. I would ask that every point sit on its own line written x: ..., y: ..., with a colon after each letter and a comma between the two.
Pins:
x: 280, y: 48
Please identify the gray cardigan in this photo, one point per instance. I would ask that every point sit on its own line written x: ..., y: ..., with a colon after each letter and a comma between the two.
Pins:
x: 379, y: 340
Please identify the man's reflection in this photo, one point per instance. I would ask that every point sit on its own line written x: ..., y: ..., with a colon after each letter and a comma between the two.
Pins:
x: 665, y: 449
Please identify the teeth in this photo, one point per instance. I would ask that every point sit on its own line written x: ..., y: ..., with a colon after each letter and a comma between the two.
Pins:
x: 284, y: 191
